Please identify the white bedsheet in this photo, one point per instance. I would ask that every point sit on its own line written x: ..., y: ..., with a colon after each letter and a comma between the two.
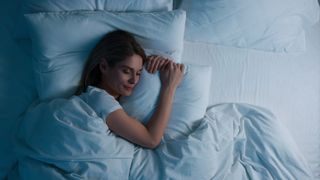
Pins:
x: 286, y: 84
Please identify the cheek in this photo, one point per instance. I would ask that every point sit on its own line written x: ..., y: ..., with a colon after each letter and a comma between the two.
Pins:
x: 122, y: 78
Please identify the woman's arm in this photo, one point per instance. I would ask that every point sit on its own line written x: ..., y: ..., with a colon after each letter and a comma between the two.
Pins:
x: 150, y: 135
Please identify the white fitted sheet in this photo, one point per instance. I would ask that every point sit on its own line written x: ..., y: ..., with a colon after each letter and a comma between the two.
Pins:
x: 286, y: 84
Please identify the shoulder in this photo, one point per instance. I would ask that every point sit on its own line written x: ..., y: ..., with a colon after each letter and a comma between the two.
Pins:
x: 99, y: 100
x: 93, y: 92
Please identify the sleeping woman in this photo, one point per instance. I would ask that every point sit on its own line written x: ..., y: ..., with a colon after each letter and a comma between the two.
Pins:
x: 113, y: 70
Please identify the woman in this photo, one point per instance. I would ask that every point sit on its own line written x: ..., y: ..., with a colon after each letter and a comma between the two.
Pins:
x: 113, y: 69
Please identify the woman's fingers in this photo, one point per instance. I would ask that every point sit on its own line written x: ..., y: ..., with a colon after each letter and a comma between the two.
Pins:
x: 182, y: 68
x: 162, y: 63
x: 155, y: 63
x: 172, y: 74
x: 149, y: 61
x: 170, y: 65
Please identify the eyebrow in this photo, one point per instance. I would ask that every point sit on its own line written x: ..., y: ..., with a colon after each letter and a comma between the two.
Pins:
x: 125, y: 66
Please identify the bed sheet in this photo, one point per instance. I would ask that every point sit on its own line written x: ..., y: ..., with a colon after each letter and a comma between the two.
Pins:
x: 286, y: 84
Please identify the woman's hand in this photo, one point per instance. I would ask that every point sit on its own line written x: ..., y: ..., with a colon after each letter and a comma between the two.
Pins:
x: 171, y: 75
x: 155, y: 63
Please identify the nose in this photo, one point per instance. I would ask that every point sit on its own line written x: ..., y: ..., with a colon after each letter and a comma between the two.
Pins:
x: 134, y: 79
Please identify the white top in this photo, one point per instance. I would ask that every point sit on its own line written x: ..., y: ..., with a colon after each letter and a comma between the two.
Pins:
x: 100, y: 101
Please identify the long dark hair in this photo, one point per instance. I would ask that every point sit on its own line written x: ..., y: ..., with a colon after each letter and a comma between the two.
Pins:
x: 114, y: 47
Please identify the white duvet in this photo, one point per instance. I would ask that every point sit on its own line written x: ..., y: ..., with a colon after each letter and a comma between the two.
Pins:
x: 65, y: 139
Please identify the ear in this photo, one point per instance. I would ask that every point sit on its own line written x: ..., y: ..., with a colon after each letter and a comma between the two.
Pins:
x: 103, y: 66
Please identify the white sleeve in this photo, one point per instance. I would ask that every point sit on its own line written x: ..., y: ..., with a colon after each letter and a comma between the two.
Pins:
x: 101, y: 102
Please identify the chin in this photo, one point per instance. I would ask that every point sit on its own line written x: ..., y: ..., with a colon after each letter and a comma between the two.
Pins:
x: 126, y: 93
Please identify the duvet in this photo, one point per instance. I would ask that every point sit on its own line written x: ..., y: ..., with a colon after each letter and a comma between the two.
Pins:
x: 65, y: 139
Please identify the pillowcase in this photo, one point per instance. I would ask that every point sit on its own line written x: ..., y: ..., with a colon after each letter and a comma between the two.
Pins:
x: 190, y: 101
x: 34, y: 6
x: 268, y: 25
x: 62, y: 41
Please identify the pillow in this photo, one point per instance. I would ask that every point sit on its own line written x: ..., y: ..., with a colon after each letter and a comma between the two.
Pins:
x: 189, y: 105
x: 268, y: 25
x: 62, y: 41
x: 34, y: 6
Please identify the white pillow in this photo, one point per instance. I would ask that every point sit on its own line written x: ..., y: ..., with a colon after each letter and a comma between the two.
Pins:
x: 62, y: 41
x: 190, y: 101
x: 270, y: 25
x: 35, y: 6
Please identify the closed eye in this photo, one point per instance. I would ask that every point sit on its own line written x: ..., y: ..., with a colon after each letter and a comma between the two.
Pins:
x: 126, y: 71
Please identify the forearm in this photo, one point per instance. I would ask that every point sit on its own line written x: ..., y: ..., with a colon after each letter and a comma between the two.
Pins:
x: 159, y: 120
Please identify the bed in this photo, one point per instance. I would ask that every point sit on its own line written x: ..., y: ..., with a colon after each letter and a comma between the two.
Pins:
x: 248, y: 108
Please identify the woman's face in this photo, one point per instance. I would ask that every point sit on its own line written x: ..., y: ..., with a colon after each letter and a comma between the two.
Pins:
x: 123, y: 77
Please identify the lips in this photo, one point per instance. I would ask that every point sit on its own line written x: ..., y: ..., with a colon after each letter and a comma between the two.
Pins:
x: 128, y: 88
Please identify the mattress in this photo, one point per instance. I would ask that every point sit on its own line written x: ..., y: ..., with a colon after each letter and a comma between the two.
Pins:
x: 286, y: 84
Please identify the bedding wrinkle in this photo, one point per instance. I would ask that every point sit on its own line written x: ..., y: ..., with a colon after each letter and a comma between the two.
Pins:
x: 263, y: 150
x: 217, y: 136
x: 99, y: 6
